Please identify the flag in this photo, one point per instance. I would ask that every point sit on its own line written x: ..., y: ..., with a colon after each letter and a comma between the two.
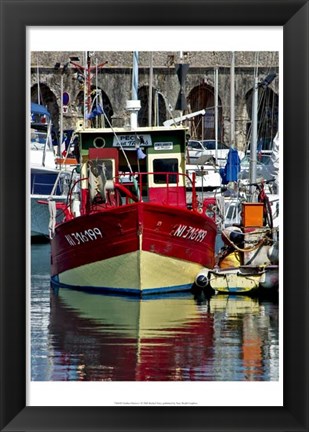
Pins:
x: 63, y: 148
x: 98, y: 110
x: 259, y: 149
x: 140, y: 154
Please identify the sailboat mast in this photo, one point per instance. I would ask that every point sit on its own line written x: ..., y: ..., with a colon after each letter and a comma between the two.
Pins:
x: 232, y: 101
x: 134, y: 105
x: 150, y: 91
x: 87, y: 86
x: 135, y: 75
x: 216, y: 113
x: 253, y: 146
x: 61, y: 115
x: 38, y: 81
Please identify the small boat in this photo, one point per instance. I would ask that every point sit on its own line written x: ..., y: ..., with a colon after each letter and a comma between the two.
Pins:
x: 207, y: 175
x: 46, y: 178
x: 241, y: 280
x: 129, y: 226
x: 249, y: 257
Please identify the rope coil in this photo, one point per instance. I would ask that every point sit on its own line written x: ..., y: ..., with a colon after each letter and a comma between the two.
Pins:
x: 250, y: 249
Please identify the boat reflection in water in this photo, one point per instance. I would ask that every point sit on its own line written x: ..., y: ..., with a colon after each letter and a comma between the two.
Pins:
x: 176, y: 338
x: 117, y: 338
x: 246, y: 319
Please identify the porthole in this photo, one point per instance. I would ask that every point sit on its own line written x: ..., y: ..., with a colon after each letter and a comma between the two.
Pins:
x: 99, y: 142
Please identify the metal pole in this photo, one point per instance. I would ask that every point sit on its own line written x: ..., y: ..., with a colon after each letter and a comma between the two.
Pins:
x: 85, y: 88
x: 150, y: 91
x: 157, y: 110
x: 88, y: 84
x: 38, y: 82
x: 135, y: 75
x: 253, y: 149
x: 134, y: 112
x: 96, y: 90
x: 61, y: 115
x: 232, y: 102
x: 216, y: 113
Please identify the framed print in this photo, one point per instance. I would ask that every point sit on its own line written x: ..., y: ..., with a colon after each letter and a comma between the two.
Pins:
x: 33, y: 399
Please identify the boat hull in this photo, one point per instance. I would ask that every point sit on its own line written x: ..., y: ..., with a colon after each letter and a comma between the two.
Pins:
x: 141, y: 248
x: 42, y: 186
x: 270, y: 278
x: 234, y: 280
x: 40, y: 216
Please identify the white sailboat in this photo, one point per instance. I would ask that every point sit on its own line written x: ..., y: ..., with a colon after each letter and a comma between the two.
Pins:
x: 46, y: 178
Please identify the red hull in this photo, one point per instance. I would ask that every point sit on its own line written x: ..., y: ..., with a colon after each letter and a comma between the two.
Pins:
x: 161, y: 230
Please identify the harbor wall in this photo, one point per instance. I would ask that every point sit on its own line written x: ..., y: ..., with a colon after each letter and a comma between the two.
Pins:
x: 115, y: 81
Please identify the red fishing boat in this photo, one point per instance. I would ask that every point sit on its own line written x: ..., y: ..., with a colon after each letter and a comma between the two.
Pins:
x: 129, y: 225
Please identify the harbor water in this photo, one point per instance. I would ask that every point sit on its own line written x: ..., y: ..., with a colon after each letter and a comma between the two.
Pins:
x: 77, y: 336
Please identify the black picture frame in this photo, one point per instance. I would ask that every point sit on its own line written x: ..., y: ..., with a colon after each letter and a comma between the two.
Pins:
x: 16, y: 15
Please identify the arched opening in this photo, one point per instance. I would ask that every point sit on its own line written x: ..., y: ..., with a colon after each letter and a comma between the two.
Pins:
x: 158, y: 107
x: 44, y: 96
x: 267, y: 121
x: 99, y: 97
x: 203, y: 127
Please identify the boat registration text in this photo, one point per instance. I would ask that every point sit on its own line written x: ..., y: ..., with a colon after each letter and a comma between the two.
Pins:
x: 189, y: 232
x: 82, y: 237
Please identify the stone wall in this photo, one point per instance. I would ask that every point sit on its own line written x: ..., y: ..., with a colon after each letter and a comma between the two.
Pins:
x: 115, y: 79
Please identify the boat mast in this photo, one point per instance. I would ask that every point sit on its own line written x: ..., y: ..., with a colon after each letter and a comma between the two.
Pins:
x: 150, y: 91
x: 216, y: 114
x: 133, y: 106
x: 61, y: 114
x: 87, y: 70
x: 232, y: 102
x: 253, y: 147
x: 38, y: 81
x: 96, y: 90
x: 87, y: 86
x: 181, y: 62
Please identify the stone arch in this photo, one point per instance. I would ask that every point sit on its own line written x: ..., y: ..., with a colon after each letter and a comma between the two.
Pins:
x: 48, y: 99
x: 203, y: 127
x: 107, y: 106
x: 268, y: 109
x: 158, y: 107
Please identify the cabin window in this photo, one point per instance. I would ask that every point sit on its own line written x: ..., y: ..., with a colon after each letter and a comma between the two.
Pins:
x: 165, y: 166
x: 107, y: 166
x: 102, y: 167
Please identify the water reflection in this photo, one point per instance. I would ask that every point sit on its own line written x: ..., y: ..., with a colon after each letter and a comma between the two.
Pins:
x: 89, y: 337
x: 241, y: 318
x: 118, y: 338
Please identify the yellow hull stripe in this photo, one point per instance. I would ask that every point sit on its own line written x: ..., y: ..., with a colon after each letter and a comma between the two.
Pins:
x: 139, y: 270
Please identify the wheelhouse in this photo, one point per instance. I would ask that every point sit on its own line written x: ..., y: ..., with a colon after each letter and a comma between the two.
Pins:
x: 147, y: 165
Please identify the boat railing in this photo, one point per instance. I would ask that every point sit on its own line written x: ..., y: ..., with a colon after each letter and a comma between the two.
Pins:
x: 133, y: 187
x: 173, y: 182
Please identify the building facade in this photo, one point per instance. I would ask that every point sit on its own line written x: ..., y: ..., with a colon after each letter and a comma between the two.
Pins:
x: 218, y: 83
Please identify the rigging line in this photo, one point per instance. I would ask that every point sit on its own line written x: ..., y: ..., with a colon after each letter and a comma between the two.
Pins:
x: 61, y: 171
x: 262, y: 95
x: 118, y: 141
